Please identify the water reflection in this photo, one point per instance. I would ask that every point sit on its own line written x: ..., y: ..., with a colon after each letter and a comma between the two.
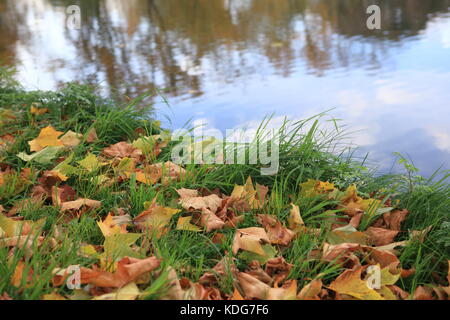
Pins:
x: 233, y: 61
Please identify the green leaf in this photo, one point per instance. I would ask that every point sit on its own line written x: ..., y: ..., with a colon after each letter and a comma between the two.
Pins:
x: 45, y: 156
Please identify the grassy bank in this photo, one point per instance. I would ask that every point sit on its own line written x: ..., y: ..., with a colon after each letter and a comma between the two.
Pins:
x: 87, y: 183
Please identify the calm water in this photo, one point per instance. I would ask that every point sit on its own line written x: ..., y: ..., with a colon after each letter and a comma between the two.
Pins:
x: 228, y: 63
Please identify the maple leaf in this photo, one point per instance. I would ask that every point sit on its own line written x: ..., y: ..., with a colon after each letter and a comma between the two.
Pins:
x: 91, y: 136
x: 221, y: 269
x: 380, y: 236
x: 252, y: 287
x: 311, y: 291
x: 22, y: 274
x: 117, y: 246
x: 110, y: 227
x: 156, y: 219
x: 191, y: 201
x: 253, y: 198
x: 77, y: 207
x: 71, y: 139
x: 12, y: 228
x: 250, y: 239
x: 313, y: 188
x: 128, y: 292
x: 128, y: 270
x: 44, y: 156
x: 275, y: 230
x: 48, y: 137
x: 34, y: 109
x: 91, y: 163
x: 351, y: 284
x: 123, y: 150
x: 184, y: 223
x: 346, y: 234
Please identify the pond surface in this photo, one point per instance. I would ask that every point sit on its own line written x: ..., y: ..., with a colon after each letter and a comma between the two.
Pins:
x: 229, y: 63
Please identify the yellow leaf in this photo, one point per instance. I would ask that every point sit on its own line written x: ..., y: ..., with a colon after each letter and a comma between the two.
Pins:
x: 184, y: 223
x: 254, y: 197
x: 90, y: 163
x: 53, y: 296
x: 387, y: 278
x: 109, y: 227
x: 313, y: 188
x: 48, y: 137
x: 128, y: 292
x: 350, y: 283
x: 38, y: 111
x: 295, y: 219
x: 14, y: 228
x: 156, y: 218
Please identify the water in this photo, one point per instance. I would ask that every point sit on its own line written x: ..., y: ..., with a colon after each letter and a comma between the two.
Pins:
x: 229, y: 63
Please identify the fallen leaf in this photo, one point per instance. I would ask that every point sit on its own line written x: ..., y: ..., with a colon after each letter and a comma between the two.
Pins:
x: 155, y: 219
x: 123, y: 150
x: 276, y: 232
x: 311, y: 291
x: 252, y: 287
x: 128, y: 270
x: 91, y: 136
x: 380, y: 236
x: 128, y: 292
x: 48, y: 137
x: 295, y: 219
x: 71, y: 139
x: 210, y: 221
x: 350, y: 283
x: 110, y: 227
x: 184, y: 223
x: 250, y: 239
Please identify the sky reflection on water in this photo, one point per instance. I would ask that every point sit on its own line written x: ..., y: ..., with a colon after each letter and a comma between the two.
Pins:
x: 230, y: 63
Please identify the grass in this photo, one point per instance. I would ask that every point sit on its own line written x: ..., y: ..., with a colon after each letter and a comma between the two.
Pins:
x: 306, y: 152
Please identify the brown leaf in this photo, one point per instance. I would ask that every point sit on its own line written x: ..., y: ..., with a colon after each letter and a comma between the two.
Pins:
x: 423, y: 293
x: 286, y: 292
x: 128, y: 270
x: 18, y: 275
x: 74, y: 209
x: 251, y: 198
x: 63, y: 194
x: 295, y: 219
x: 79, y: 203
x: 224, y: 267
x: 392, y: 220
x: 311, y: 291
x: 252, y: 287
x: 91, y: 136
x: 255, y: 270
x: 275, y: 230
x: 380, y: 236
x: 211, y: 202
x: 210, y: 221
x: 278, y: 269
x: 5, y: 297
x: 123, y: 150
